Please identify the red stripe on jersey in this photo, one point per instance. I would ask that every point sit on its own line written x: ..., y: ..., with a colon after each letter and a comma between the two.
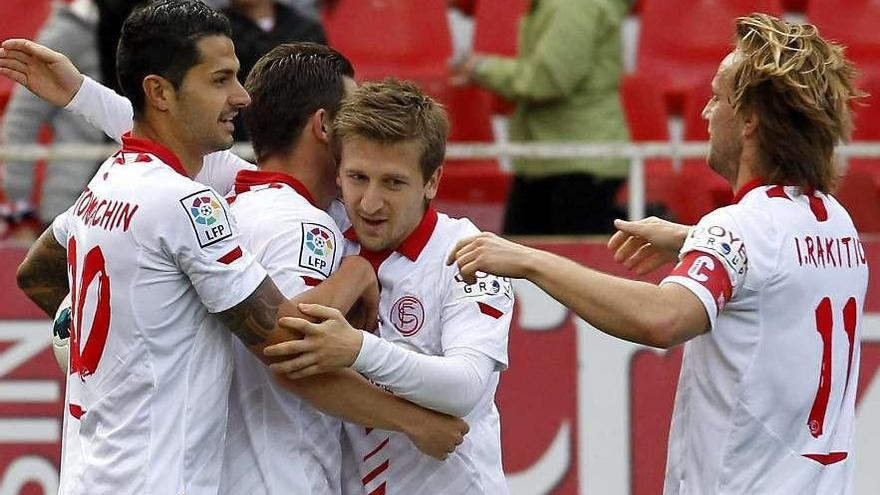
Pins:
x: 231, y: 256
x: 142, y: 158
x: 826, y: 459
x: 380, y: 490
x: 376, y: 472
x: 311, y: 281
x: 489, y: 310
x: 231, y: 199
x: 76, y: 411
x: 709, y: 272
x: 377, y: 449
x: 777, y: 192
x: 817, y: 206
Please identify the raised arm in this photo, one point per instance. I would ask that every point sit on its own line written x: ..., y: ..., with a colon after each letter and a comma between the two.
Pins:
x: 53, y: 77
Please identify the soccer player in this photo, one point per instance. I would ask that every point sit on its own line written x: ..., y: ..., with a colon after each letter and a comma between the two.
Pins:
x: 153, y: 414
x: 768, y: 293
x: 296, y: 90
x: 442, y: 341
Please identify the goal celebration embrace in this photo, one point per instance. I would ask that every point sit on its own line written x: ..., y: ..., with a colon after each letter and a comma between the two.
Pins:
x: 327, y: 316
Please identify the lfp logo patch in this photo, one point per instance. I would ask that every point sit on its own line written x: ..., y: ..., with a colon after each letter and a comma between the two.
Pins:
x: 208, y: 217
x: 318, y: 247
x: 205, y: 210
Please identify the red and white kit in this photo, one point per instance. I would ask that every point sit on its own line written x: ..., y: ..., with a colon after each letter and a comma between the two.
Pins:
x: 426, y: 307
x: 278, y: 443
x: 151, y: 254
x: 766, y: 399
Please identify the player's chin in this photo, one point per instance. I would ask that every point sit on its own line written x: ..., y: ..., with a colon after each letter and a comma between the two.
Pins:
x: 223, y: 141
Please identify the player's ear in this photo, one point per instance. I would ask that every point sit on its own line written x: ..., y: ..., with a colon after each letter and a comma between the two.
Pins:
x: 750, y: 123
x: 433, y: 183
x: 320, y: 125
x: 158, y: 92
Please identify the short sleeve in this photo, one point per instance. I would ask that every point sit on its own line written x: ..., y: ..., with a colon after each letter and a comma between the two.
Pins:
x: 61, y: 227
x: 300, y: 253
x: 199, y: 234
x: 713, y: 262
x: 477, y: 316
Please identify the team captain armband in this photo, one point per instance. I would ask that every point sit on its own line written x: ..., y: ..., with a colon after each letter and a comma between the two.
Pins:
x: 705, y: 270
x: 713, y: 262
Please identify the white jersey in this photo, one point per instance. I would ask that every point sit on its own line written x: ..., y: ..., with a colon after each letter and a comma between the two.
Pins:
x: 278, y: 443
x: 150, y: 253
x: 766, y: 399
x: 425, y: 306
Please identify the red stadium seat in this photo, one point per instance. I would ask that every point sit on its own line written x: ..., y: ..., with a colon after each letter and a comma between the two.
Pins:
x: 853, y: 23
x: 647, y: 119
x: 400, y: 38
x: 683, y: 41
x: 867, y: 128
x: 858, y: 192
x: 495, y: 31
x: 476, y: 192
x: 20, y: 19
x: 795, y: 5
x: 470, y: 118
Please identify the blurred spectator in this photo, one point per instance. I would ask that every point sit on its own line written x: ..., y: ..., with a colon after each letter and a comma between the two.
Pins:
x: 565, y: 85
x: 259, y: 26
x: 70, y: 29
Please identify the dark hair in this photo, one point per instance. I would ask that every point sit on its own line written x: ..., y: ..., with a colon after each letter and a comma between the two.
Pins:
x: 160, y: 38
x: 391, y: 112
x: 287, y: 86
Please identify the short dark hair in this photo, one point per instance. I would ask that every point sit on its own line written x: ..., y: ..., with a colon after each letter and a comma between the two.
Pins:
x: 160, y: 38
x: 392, y: 112
x: 287, y: 86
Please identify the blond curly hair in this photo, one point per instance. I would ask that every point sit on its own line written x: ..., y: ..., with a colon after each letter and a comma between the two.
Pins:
x: 801, y: 88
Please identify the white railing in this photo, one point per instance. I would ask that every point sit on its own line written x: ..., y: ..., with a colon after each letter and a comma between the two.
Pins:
x: 636, y: 153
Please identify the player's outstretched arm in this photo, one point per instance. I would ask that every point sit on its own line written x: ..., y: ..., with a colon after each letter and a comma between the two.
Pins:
x: 42, y: 276
x: 43, y: 71
x: 658, y: 316
x: 645, y: 245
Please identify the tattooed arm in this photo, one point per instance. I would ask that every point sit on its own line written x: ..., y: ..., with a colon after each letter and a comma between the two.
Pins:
x: 42, y: 276
x: 254, y: 320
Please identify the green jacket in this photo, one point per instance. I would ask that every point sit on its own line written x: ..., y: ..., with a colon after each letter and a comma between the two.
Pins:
x: 564, y: 82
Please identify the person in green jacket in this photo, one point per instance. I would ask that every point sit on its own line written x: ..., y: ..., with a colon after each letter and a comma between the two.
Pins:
x: 565, y: 85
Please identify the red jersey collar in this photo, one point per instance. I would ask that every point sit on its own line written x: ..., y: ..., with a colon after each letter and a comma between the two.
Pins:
x: 415, y: 242
x: 245, y: 179
x: 131, y: 144
x: 745, y: 189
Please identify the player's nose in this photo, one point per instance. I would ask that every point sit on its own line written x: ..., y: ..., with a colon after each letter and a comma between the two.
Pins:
x: 372, y: 200
x: 239, y: 97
